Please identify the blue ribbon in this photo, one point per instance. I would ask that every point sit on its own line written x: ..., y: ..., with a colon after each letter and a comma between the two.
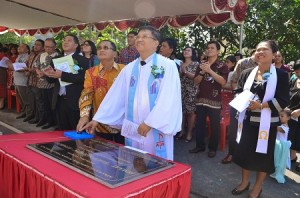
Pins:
x: 153, y: 90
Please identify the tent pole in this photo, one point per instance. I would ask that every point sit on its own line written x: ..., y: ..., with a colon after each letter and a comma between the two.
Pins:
x: 90, y: 31
x: 21, y: 36
x: 241, y: 37
x: 78, y: 35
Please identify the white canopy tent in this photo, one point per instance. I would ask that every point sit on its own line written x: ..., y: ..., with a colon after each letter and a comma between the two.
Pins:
x: 42, y: 16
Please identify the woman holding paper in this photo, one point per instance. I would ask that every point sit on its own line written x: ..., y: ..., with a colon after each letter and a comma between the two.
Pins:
x: 256, y: 133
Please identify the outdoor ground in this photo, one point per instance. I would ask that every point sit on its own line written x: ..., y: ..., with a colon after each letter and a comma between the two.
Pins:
x: 210, y: 178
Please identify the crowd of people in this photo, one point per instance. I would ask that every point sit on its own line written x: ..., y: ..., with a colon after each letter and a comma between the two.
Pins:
x: 147, y: 89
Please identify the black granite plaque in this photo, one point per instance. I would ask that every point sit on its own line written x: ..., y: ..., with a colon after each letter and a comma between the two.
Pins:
x: 103, y: 161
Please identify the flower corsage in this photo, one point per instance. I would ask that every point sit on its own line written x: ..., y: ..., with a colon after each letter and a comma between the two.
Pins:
x: 157, y: 72
x: 76, y: 67
x: 266, y: 75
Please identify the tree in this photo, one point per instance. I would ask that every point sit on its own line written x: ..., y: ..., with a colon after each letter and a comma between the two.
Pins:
x: 11, y: 37
x: 277, y: 20
x: 109, y: 33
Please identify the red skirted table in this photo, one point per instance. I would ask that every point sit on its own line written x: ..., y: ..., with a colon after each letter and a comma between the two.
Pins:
x: 26, y: 174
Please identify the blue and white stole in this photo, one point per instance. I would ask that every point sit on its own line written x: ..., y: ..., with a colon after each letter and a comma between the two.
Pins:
x: 153, y: 90
x: 265, y: 116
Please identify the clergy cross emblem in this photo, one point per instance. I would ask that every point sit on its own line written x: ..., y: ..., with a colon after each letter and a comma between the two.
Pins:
x: 132, y: 81
x: 263, y: 135
x: 160, y: 142
x: 240, y: 127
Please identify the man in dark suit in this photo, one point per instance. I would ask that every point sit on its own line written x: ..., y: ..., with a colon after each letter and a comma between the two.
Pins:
x: 66, y: 97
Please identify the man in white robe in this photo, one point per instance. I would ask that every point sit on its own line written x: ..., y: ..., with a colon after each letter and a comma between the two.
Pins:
x: 166, y: 114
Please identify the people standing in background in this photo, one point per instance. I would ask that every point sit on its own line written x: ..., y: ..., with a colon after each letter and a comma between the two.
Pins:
x: 294, y: 122
x: 210, y: 76
x: 90, y: 52
x: 66, y: 97
x: 20, y: 82
x: 278, y: 62
x: 188, y: 92
x: 238, y: 56
x: 46, y: 112
x: 3, y: 75
x: 282, y: 147
x: 33, y: 92
x: 97, y: 82
x: 241, y: 65
x: 13, y: 54
x: 129, y: 53
x: 168, y: 49
x: 230, y: 62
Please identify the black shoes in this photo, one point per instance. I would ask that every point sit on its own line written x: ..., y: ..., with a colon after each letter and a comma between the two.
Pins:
x: 33, y: 121
x: 21, y: 116
x: 238, y: 192
x: 211, y: 154
x: 41, y: 123
x: 47, y: 126
x: 227, y: 159
x: 197, y: 150
x: 28, y: 118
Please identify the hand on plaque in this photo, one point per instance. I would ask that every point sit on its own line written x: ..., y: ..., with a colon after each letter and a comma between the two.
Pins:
x: 143, y: 129
x: 82, y: 122
x: 89, y: 127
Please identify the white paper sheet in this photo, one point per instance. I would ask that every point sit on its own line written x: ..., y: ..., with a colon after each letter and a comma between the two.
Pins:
x: 19, y: 66
x: 3, y: 62
x: 129, y: 130
x: 241, y: 102
x: 63, y: 67
x: 64, y: 64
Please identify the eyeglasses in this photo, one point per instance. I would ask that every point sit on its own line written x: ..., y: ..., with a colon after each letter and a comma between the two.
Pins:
x: 104, y: 48
x: 145, y: 37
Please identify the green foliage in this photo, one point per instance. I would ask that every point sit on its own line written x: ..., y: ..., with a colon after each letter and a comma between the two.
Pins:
x: 227, y: 35
x: 9, y: 37
x: 197, y: 35
x: 110, y: 33
x: 277, y: 20
x: 266, y: 19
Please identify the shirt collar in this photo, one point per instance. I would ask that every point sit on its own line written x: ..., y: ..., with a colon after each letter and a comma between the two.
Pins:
x: 115, y: 66
x: 147, y: 60
x: 69, y: 54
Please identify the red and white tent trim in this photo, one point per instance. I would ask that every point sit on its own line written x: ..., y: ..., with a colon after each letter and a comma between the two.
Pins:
x: 224, y: 10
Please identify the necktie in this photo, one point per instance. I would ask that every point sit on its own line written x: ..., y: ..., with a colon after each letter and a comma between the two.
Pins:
x: 143, y: 63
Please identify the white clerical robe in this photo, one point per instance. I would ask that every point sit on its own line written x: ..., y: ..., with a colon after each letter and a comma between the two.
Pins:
x: 166, y: 115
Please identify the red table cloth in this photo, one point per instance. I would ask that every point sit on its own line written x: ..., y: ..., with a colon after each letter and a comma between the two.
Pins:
x: 26, y: 174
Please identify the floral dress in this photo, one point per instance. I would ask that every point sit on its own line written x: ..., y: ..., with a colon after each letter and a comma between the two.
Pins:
x: 189, y: 90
